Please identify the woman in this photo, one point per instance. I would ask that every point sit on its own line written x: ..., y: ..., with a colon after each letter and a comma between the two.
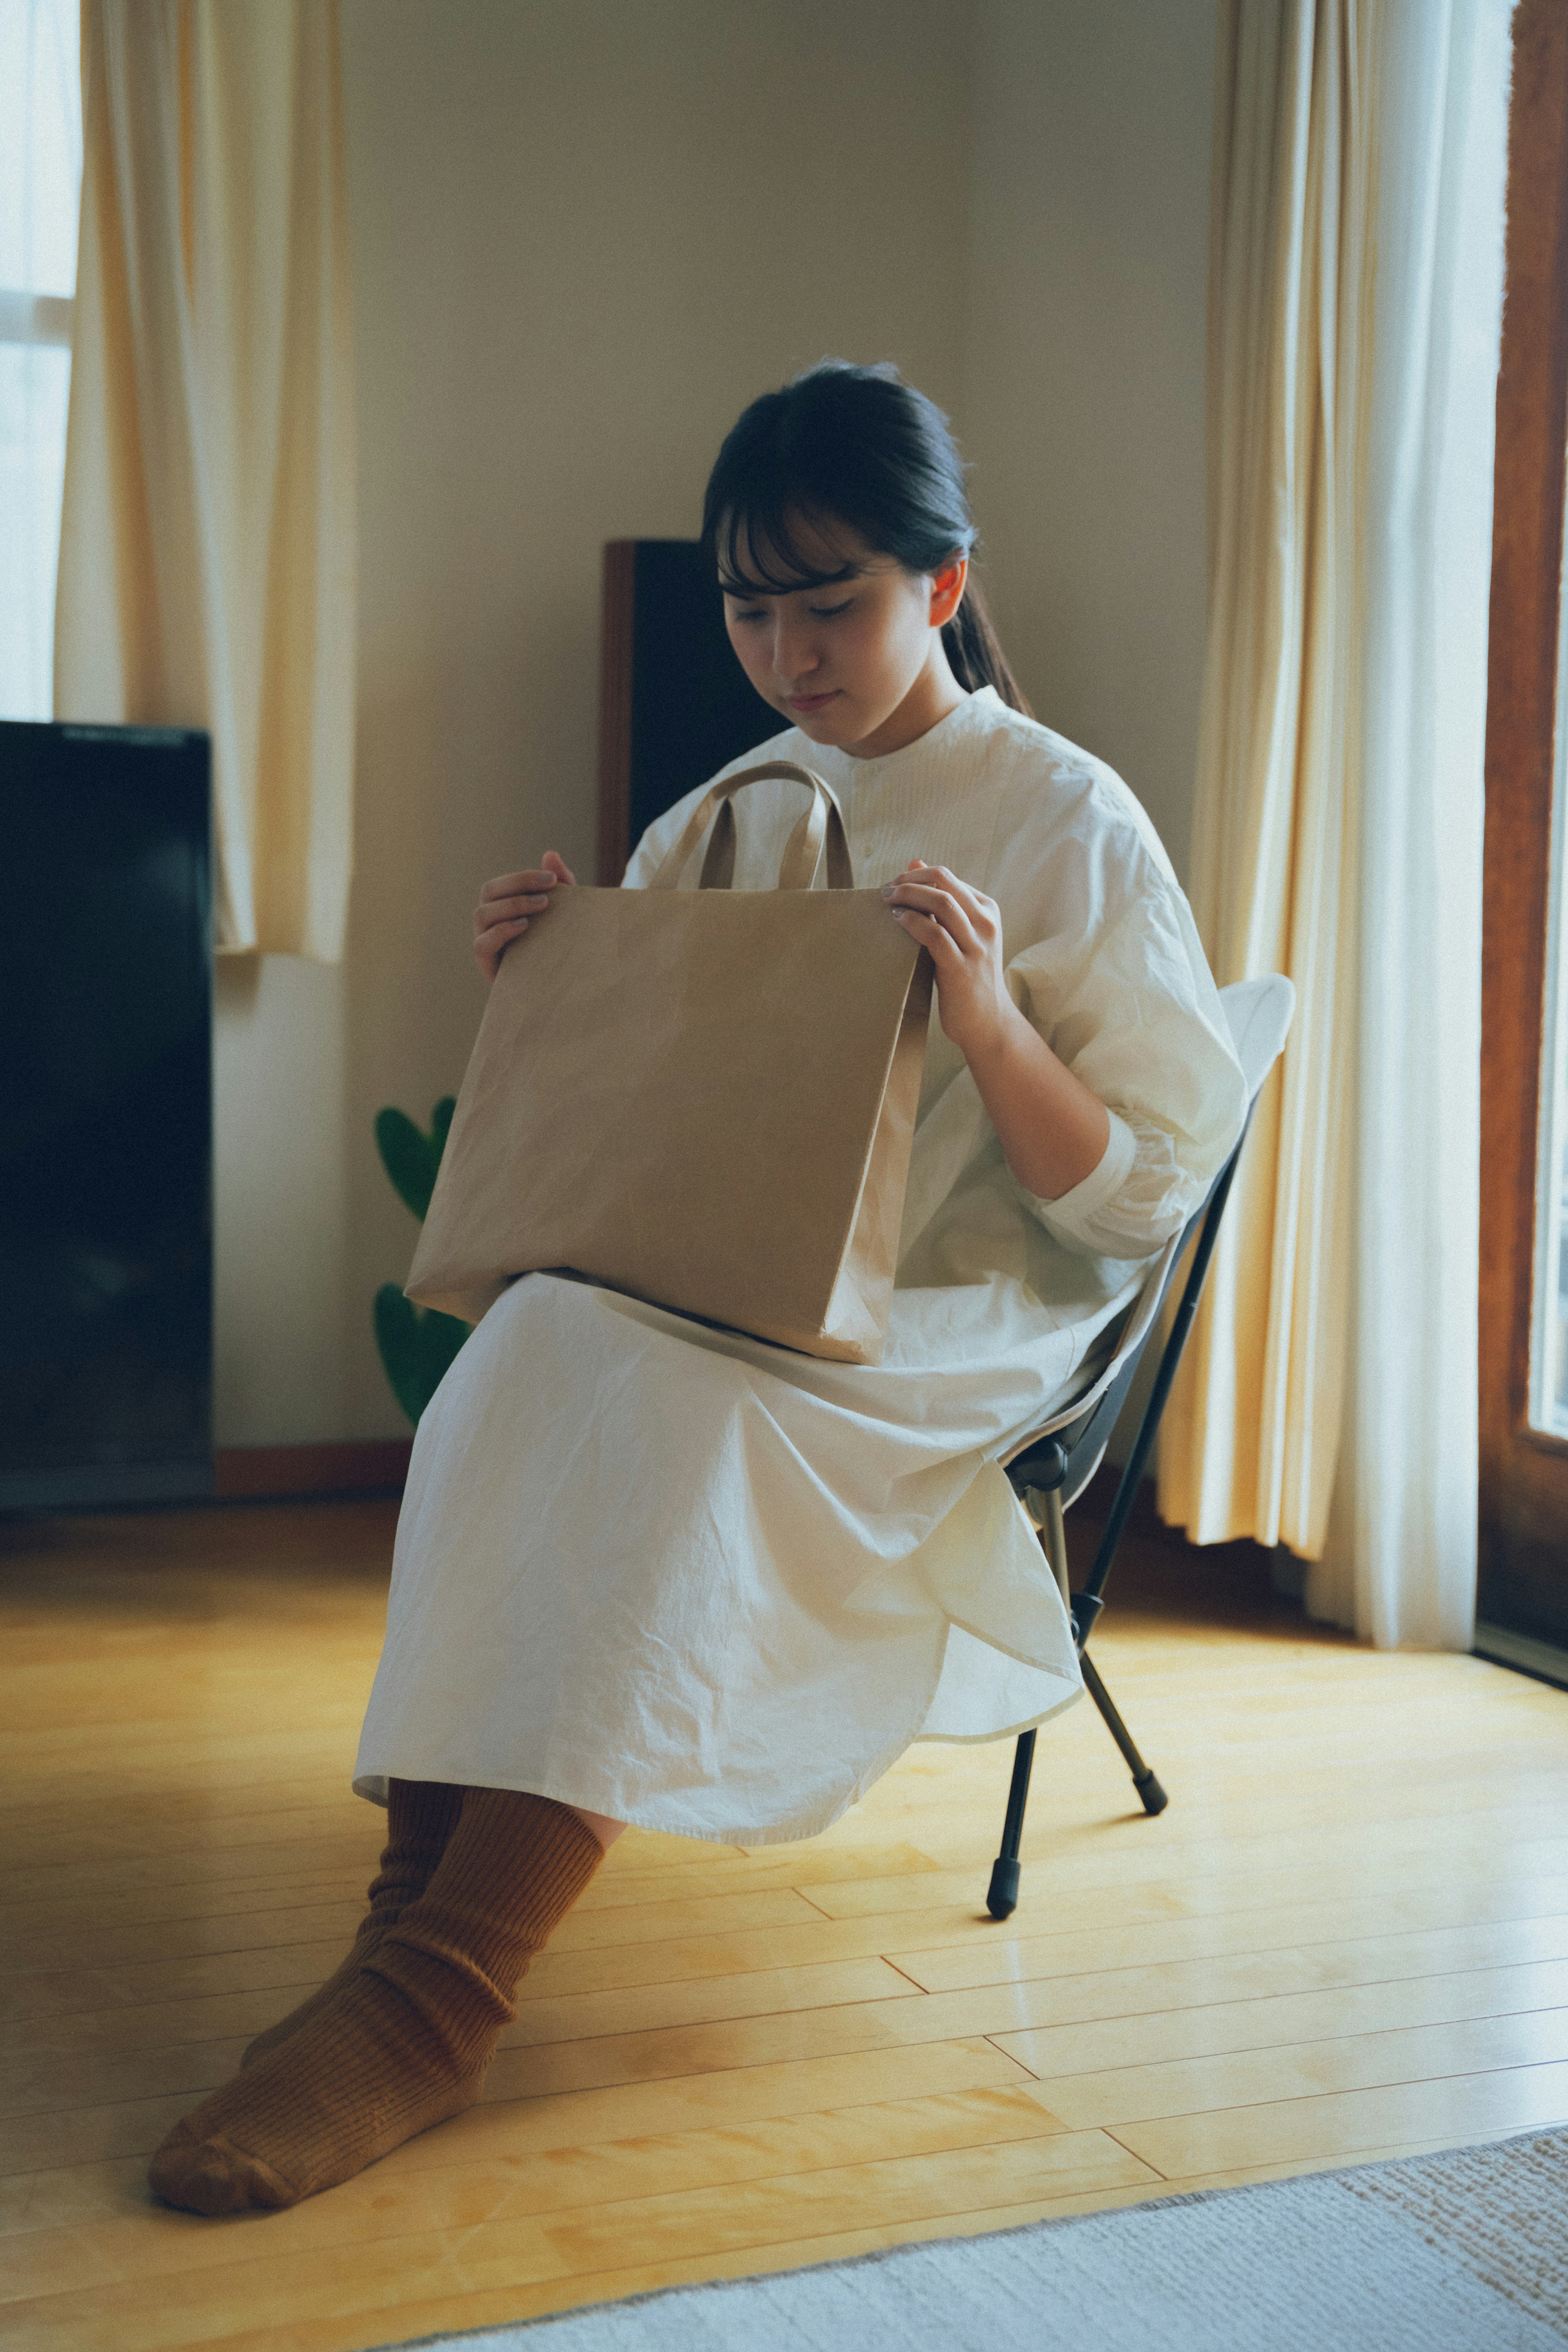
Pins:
x: 650, y: 1572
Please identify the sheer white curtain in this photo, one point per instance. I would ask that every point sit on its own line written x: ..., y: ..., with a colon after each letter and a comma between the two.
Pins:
x: 208, y: 551
x: 1399, y: 1561
x: 40, y: 174
x: 1330, y: 1401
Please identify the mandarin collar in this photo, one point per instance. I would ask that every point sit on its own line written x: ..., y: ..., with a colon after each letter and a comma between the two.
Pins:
x: 973, y: 716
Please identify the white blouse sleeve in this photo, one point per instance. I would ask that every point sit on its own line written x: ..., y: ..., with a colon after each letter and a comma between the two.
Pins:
x: 1130, y: 1006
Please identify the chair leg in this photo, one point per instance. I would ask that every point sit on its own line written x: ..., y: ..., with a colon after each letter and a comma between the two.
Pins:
x: 1148, y: 1787
x: 1053, y: 1539
x: 1002, y: 1895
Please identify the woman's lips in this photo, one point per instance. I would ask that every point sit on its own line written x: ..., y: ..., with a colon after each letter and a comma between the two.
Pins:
x: 810, y: 701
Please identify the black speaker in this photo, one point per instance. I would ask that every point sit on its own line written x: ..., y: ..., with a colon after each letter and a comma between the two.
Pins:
x: 106, y: 1227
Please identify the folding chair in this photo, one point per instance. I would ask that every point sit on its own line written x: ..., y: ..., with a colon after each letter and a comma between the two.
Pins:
x: 1049, y: 1470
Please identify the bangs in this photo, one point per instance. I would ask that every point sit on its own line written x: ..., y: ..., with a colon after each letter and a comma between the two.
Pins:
x: 759, y: 552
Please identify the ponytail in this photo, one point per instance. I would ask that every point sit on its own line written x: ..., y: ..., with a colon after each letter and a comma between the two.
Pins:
x: 975, y: 655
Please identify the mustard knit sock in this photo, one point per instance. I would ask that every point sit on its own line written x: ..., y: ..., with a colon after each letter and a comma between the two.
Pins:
x: 421, y: 1817
x: 406, y: 2040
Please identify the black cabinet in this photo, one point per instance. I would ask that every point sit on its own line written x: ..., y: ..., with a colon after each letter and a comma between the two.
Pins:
x: 106, y: 1277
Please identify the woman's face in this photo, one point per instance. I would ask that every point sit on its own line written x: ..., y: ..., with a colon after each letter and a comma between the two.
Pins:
x: 858, y: 664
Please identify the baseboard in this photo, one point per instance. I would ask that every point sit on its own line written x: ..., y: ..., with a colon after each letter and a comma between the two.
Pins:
x: 367, y: 1465
x: 1279, y: 1568
x: 1545, y: 1660
x: 1144, y: 1520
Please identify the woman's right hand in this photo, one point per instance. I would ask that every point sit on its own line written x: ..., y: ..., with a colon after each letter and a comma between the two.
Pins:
x: 510, y: 904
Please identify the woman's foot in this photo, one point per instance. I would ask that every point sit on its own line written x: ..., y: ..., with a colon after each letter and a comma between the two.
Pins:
x: 406, y: 2042
x: 379, y: 2064
x: 421, y: 1818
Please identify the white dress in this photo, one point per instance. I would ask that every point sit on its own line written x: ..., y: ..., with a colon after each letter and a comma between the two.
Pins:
x: 695, y: 1582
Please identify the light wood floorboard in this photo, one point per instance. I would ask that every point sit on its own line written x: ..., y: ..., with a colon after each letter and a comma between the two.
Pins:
x: 1347, y: 1940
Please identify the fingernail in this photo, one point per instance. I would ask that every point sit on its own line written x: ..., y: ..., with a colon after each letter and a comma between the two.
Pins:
x: 888, y: 888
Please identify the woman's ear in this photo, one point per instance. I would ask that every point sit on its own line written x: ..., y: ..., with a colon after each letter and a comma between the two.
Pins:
x: 947, y: 590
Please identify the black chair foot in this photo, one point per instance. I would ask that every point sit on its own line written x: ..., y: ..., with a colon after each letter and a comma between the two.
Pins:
x: 1148, y: 1787
x: 1002, y: 1894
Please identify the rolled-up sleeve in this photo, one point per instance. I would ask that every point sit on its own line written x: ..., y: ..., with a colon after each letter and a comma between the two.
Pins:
x: 1130, y: 1008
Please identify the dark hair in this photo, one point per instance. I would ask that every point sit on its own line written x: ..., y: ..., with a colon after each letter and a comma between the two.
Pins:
x: 860, y: 443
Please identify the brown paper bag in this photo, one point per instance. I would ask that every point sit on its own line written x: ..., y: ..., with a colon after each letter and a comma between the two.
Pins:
x: 704, y: 1097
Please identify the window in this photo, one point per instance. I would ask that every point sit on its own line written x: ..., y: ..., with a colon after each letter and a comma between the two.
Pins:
x: 40, y: 181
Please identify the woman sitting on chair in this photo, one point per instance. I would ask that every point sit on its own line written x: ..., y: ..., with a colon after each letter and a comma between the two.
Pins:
x: 652, y: 1572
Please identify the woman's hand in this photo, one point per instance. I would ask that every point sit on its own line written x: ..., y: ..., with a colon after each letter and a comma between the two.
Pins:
x: 1052, y: 1129
x: 962, y: 930
x: 510, y: 904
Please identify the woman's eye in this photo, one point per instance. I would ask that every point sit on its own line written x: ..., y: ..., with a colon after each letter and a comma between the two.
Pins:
x: 756, y: 613
x: 831, y: 612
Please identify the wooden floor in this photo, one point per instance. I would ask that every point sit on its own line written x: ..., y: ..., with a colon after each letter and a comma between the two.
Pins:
x: 1347, y: 1938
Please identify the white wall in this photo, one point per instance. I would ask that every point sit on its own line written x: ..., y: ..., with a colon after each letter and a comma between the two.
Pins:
x: 584, y: 235
x: 1084, y: 406
x: 287, y: 1327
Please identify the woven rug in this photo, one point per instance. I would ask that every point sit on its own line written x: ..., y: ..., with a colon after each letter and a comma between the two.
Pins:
x: 1466, y: 2251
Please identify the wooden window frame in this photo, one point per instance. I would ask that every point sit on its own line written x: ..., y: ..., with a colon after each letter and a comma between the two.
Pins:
x: 1523, y: 1471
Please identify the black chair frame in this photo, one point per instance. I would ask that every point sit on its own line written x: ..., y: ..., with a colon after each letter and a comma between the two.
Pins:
x: 1063, y: 1462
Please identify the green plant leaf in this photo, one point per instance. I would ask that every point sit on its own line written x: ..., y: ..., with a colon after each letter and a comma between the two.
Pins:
x: 409, y: 1157
x: 417, y: 1346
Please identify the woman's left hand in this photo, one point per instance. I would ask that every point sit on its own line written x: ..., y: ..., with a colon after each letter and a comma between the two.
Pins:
x: 962, y: 929
x: 1052, y: 1129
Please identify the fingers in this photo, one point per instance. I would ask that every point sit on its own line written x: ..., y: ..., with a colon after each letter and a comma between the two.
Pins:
x: 491, y: 943
x: 531, y: 883
x: 971, y: 919
x: 918, y: 871
x: 983, y: 913
x: 551, y: 871
x: 949, y: 919
x: 938, y: 941
x: 509, y: 902
x: 970, y: 929
x: 492, y: 938
x: 511, y: 909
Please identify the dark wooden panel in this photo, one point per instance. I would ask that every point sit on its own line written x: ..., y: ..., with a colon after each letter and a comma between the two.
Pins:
x: 1524, y: 1476
x: 675, y: 704
x: 369, y: 1465
x: 619, y: 621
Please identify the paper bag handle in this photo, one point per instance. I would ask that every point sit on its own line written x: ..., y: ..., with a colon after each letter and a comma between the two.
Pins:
x: 822, y: 825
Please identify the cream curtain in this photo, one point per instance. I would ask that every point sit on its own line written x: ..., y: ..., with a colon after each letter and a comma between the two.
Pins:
x: 207, y: 545
x: 1328, y: 1399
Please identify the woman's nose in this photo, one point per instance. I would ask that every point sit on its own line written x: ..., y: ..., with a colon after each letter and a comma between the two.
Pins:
x: 794, y: 654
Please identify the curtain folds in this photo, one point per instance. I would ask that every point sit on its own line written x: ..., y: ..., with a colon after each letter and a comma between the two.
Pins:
x: 1328, y: 1399
x: 207, y: 551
